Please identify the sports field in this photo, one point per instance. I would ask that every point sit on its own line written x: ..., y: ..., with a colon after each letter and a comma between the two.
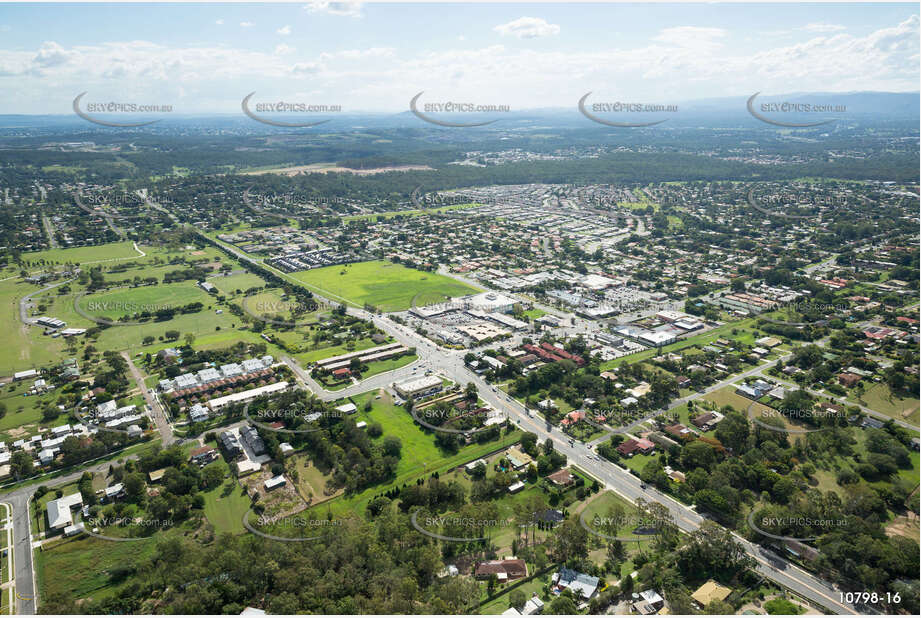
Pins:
x: 387, y: 286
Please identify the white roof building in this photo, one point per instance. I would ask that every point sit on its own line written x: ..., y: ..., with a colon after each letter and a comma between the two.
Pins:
x: 59, y: 515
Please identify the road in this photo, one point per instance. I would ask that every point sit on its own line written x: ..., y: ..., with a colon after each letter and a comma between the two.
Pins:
x: 26, y: 301
x: 157, y: 413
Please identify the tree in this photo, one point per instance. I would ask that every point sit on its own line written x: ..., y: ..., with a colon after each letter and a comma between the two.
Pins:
x: 569, y: 542
x: 189, y: 339
x: 563, y: 605
x: 516, y: 598
x: 134, y: 486
x: 20, y: 464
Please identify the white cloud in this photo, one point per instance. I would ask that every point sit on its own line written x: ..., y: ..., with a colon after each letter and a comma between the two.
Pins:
x: 219, y: 22
x: 691, y: 37
x: 528, y: 28
x: 820, y: 27
x: 284, y: 30
x: 51, y: 55
x: 345, y: 9
x: 246, y: 24
x: 674, y: 65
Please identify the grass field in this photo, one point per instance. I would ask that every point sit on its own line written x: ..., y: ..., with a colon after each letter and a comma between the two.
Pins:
x: 419, y: 455
x: 120, y: 302
x: 390, y: 287
x: 880, y: 398
x: 82, y: 255
x: 78, y: 568
x: 226, y: 505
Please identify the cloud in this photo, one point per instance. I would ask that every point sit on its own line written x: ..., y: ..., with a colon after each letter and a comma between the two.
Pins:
x: 344, y: 9
x: 528, y: 28
x: 691, y: 37
x: 246, y: 24
x: 284, y: 30
x: 219, y: 22
x: 283, y: 50
x: 52, y: 55
x: 820, y: 27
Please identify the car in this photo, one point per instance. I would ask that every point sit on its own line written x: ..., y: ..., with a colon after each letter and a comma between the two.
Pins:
x: 643, y: 486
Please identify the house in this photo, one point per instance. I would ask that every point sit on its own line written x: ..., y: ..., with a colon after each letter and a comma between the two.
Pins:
x: 342, y: 373
x: 251, y: 438
x: 504, y: 570
x: 275, y: 482
x: 114, y: 492
x: 848, y: 379
x: 580, y: 584
x: 515, y: 487
x: 562, y: 478
x: 650, y: 603
x: 231, y: 444
x: 156, y: 475
x: 679, y: 431
x: 203, y: 455
x: 198, y: 413
x: 683, y: 381
x: 632, y: 446
x: 517, y: 459
x: 707, y: 421
x: 59, y: 511
x: 347, y: 408
x: 709, y: 592
x: 552, y: 517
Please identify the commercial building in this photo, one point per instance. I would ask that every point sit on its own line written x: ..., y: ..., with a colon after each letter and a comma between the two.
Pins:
x: 418, y: 387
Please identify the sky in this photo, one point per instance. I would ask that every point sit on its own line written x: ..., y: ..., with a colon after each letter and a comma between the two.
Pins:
x: 204, y: 58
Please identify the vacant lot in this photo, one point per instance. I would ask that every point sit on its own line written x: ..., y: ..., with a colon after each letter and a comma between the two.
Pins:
x: 390, y: 287
x: 880, y: 398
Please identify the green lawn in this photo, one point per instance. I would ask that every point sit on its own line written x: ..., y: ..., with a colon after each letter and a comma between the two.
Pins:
x: 78, y: 568
x: 880, y: 398
x: 419, y: 455
x: 116, y: 303
x: 226, y: 505
x: 82, y: 255
x: 388, y: 286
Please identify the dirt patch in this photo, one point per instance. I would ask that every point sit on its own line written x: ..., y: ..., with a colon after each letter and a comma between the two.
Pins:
x: 335, y: 169
x: 905, y: 525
